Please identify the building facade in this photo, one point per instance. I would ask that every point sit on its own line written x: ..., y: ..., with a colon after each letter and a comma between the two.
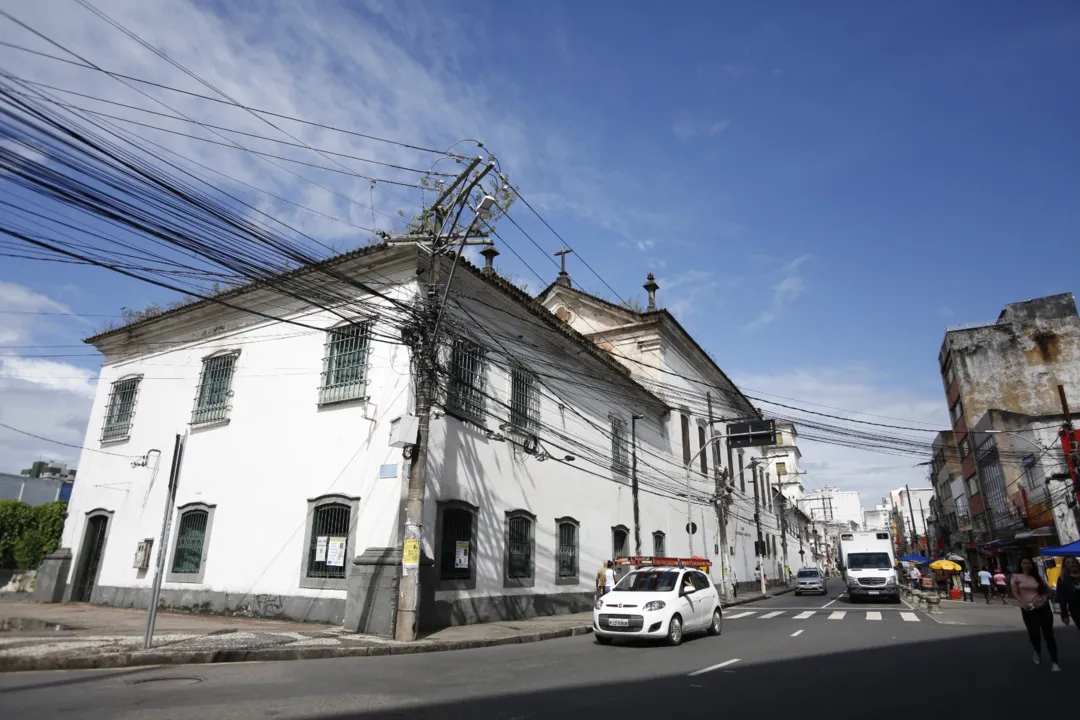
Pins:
x: 1023, y: 364
x: 547, y: 455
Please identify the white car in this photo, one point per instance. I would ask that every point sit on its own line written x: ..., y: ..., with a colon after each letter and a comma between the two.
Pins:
x: 660, y: 603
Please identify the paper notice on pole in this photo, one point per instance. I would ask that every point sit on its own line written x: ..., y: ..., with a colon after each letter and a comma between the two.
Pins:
x: 410, y: 555
x: 461, y: 555
x: 320, y: 548
x: 335, y: 551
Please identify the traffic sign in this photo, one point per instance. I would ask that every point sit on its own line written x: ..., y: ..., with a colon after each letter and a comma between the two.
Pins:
x: 691, y: 528
x: 755, y: 433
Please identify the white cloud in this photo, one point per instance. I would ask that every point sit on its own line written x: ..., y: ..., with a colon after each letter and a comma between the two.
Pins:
x: 644, y: 245
x: 685, y: 129
x: 859, y: 389
x: 789, y: 288
x: 44, y: 397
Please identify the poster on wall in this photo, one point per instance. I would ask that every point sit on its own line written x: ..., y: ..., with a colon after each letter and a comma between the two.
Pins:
x: 335, y: 551
x: 320, y: 548
x: 461, y: 555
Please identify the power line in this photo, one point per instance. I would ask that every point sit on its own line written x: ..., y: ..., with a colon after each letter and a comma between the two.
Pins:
x: 60, y: 442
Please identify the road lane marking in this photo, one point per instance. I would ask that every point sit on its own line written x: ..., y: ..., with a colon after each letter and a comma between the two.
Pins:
x: 740, y: 615
x: 909, y: 617
x: 713, y: 667
x: 838, y: 615
x: 832, y: 601
x: 804, y: 615
x: 797, y: 633
x: 773, y: 614
x: 873, y: 615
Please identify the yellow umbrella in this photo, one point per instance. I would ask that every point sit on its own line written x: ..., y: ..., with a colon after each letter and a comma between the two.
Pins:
x: 945, y: 565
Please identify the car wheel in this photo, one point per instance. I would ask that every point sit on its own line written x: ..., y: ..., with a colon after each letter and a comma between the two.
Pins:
x: 602, y: 640
x: 675, y: 631
x: 797, y: 593
x: 717, y: 625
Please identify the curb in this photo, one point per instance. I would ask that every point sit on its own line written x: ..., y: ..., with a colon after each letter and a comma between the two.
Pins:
x: 142, y: 658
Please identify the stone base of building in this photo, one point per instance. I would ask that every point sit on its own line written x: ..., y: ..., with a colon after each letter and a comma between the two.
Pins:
x: 467, y: 611
x: 277, y: 607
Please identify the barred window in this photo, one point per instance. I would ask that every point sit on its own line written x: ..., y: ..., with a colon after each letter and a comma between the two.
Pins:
x: 215, y: 389
x: 703, y: 457
x: 190, y: 536
x: 455, y: 561
x: 620, y: 542
x: 194, y: 522
x: 619, y: 455
x: 344, y: 373
x: 519, y: 546
x: 566, y: 550
x: 465, y: 395
x: 121, y: 409
x: 659, y: 544
x: 328, y: 545
x: 524, y: 401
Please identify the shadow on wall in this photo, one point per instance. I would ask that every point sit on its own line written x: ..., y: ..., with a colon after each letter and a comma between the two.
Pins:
x: 949, y: 673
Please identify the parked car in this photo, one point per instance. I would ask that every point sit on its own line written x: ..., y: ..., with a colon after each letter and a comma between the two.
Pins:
x: 810, y: 580
x: 658, y: 603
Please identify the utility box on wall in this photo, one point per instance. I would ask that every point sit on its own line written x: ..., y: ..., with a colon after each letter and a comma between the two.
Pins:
x: 142, y: 554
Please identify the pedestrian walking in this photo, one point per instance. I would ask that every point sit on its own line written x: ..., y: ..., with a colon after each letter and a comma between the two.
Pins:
x: 985, y: 580
x: 1068, y: 591
x: 1002, y: 585
x: 734, y: 585
x: 965, y: 584
x: 605, y: 579
x: 1031, y: 591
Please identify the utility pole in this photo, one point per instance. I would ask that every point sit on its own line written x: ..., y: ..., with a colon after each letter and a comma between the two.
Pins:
x: 925, y: 531
x: 425, y: 352
x: 759, y: 546
x: 911, y: 510
x: 159, y: 570
x: 782, y: 502
x: 720, y: 503
x: 634, y: 482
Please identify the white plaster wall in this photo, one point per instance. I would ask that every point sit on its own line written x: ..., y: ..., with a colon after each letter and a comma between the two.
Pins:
x: 278, y: 450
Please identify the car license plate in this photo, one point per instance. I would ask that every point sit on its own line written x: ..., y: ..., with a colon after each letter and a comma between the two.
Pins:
x: 875, y: 592
x: 618, y: 622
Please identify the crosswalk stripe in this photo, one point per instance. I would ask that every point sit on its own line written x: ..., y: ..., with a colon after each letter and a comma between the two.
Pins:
x: 838, y: 615
x: 873, y: 615
x: 804, y: 615
x: 740, y: 615
x: 766, y: 616
x: 909, y: 617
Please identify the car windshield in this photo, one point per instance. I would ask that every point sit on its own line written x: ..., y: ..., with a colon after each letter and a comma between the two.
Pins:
x: 649, y: 581
x: 809, y: 574
x: 869, y: 561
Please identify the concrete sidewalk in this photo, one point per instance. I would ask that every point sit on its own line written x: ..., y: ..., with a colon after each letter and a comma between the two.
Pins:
x: 37, y: 636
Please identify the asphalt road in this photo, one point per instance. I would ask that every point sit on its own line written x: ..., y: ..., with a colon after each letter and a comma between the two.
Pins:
x: 787, y: 654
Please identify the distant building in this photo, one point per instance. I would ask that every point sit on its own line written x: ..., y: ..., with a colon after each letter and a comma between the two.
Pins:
x: 33, y: 490
x: 833, y: 506
x: 878, y: 518
x: 1014, y: 365
x: 784, y: 458
x: 911, y: 508
x: 49, y: 469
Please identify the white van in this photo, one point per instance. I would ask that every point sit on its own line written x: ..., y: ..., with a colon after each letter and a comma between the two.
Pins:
x: 868, y: 566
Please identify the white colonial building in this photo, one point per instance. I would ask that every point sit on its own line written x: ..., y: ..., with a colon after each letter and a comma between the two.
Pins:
x: 292, y: 479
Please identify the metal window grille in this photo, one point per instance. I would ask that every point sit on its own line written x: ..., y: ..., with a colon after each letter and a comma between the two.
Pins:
x: 344, y: 374
x: 328, y: 521
x: 190, y: 536
x: 466, y: 391
x: 456, y: 527
x: 659, y: 544
x: 524, y: 401
x: 120, y: 410
x: 519, y: 537
x: 215, y: 389
x: 619, y: 454
x: 620, y: 543
x: 566, y: 552
x: 703, y: 458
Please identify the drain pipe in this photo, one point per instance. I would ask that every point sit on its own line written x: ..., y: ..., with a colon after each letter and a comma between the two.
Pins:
x: 159, y: 571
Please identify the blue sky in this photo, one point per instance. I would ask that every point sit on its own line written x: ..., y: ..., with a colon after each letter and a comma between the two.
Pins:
x: 820, y: 188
